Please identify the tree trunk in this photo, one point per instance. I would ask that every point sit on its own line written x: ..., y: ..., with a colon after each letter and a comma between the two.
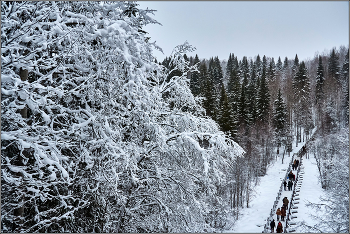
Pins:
x: 24, y: 76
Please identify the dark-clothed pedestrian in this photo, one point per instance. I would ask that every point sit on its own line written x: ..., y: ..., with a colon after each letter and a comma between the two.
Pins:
x: 279, y: 228
x: 291, y: 176
x: 294, y: 166
x: 278, y: 213
x: 284, y: 185
x: 272, y: 225
x: 297, y: 164
x: 283, y: 213
x: 290, y: 184
x: 285, y: 202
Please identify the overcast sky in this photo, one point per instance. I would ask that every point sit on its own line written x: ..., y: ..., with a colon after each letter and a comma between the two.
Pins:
x: 218, y: 28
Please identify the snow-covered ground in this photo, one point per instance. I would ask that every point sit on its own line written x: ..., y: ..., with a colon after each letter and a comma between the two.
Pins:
x: 310, y: 192
x: 253, y: 219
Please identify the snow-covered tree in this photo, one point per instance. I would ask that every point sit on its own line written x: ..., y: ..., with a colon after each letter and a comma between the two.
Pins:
x: 332, y: 156
x: 280, y: 119
x: 302, y: 102
x: 105, y: 142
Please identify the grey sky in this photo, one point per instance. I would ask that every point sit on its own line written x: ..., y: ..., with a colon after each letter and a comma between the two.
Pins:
x: 248, y: 28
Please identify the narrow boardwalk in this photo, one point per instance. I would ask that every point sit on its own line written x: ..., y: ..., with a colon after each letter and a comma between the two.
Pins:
x: 293, y: 196
x: 253, y: 219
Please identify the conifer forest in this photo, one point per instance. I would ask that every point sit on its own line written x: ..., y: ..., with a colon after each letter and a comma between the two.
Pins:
x: 99, y: 136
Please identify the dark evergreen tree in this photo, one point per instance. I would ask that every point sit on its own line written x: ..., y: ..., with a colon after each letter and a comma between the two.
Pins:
x: 242, y: 105
x: 280, y: 119
x: 195, y: 82
x: 208, y: 92
x: 285, y: 63
x: 244, y: 67
x: 224, y: 117
x: 279, y: 64
x: 258, y: 66
x: 271, y: 72
x: 333, y: 65
x: 235, y: 63
x: 203, y: 76
x: 218, y: 76
x: 295, y: 64
x: 302, y: 110
x: 319, y: 92
x: 251, y: 98
x: 264, y: 62
x: 230, y: 64
x: 263, y: 99
x: 234, y: 89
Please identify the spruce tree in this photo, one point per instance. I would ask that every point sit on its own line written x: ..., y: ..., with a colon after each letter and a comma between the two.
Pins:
x: 279, y: 64
x: 230, y: 65
x: 333, y: 64
x: 303, y: 113
x: 295, y: 64
x: 218, y: 76
x: 280, y: 119
x: 319, y: 82
x: 285, y: 63
x: 224, y: 117
x: 264, y: 61
x: 207, y: 91
x: 258, y: 66
x: 271, y: 73
x: 263, y: 102
x: 195, y: 82
x: 251, y: 99
x: 242, y: 105
x: 234, y: 89
x: 235, y: 63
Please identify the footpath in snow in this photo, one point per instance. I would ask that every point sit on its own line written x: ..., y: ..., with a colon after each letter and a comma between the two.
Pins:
x: 254, y: 218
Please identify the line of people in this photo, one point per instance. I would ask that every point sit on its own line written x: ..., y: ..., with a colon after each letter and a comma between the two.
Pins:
x: 279, y: 228
x: 281, y: 213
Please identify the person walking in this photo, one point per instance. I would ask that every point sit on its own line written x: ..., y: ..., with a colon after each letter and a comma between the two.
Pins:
x: 283, y: 213
x: 292, y: 176
x: 272, y: 225
x: 279, y: 228
x: 285, y: 202
x: 284, y: 185
x: 297, y: 164
x: 290, y: 184
x: 294, y: 166
x: 278, y: 213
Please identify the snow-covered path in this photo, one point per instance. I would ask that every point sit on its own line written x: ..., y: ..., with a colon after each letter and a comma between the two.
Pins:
x: 253, y: 219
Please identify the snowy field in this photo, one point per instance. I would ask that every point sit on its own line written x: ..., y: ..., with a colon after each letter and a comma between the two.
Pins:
x: 253, y: 219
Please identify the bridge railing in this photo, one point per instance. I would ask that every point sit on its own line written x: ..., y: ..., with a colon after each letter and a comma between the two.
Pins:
x: 300, y: 154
